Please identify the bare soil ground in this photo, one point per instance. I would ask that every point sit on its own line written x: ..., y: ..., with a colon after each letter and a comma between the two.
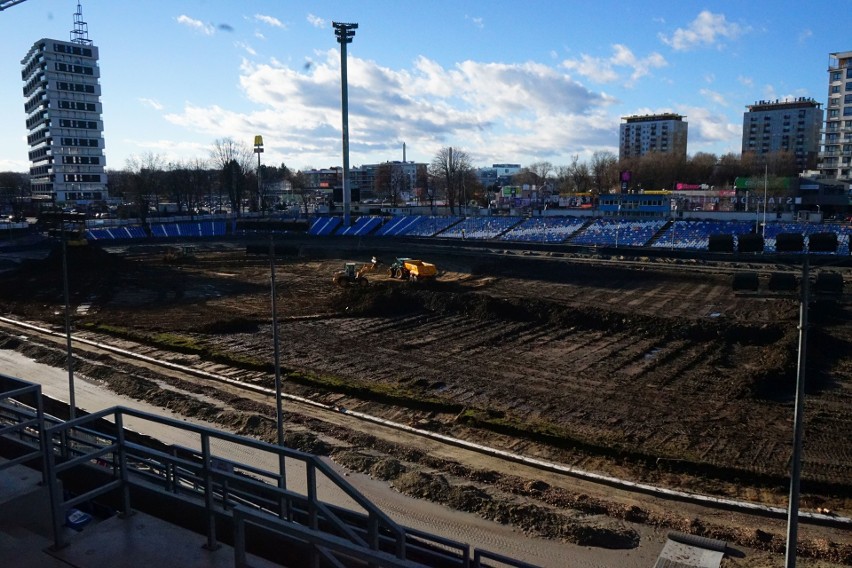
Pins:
x: 650, y: 371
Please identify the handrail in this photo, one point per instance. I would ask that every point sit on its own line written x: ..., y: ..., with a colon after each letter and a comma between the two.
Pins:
x: 206, y: 475
x: 226, y: 487
x: 16, y: 389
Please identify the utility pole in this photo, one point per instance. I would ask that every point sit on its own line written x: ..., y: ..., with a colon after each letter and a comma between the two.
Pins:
x: 345, y: 33
x: 258, y: 149
x: 798, y: 424
x: 72, y: 404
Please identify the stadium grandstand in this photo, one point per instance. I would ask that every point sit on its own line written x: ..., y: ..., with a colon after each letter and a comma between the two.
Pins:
x: 585, y: 231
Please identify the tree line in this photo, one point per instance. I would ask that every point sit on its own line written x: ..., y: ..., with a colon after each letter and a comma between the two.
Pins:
x: 228, y: 178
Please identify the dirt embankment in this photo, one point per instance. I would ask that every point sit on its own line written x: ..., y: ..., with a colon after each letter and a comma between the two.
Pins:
x: 657, y: 374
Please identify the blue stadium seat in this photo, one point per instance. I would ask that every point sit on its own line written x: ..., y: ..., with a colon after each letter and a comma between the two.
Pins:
x: 324, y: 225
x: 618, y: 232
x: 362, y: 226
x: 544, y: 230
x: 480, y: 228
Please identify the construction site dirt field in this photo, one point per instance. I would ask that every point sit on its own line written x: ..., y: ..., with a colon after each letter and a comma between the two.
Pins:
x: 649, y: 370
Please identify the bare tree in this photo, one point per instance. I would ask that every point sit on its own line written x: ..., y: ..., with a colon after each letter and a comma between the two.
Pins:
x: 449, y: 169
x: 201, y: 183
x: 176, y: 182
x: 234, y: 161
x: 145, y: 183
x: 421, y: 183
x: 729, y: 168
x: 580, y: 174
x: 700, y: 167
x: 540, y: 171
x: 391, y: 182
x: 604, y: 169
x: 563, y: 179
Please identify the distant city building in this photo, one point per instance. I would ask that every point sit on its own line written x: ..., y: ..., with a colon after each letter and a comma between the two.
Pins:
x: 498, y: 175
x: 836, y: 155
x: 63, y: 109
x: 664, y: 133
x: 362, y: 180
x: 784, y: 126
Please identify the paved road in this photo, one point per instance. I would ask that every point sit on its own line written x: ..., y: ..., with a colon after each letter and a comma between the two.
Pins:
x: 422, y: 515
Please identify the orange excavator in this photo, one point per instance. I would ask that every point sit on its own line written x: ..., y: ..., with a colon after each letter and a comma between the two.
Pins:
x: 350, y: 275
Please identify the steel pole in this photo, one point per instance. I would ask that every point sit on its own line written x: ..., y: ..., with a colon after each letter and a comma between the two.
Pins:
x: 279, y: 415
x: 72, y: 405
x: 344, y: 104
x: 765, y: 174
x: 798, y: 424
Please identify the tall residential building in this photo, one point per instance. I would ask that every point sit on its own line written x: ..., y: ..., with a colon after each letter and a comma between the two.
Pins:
x: 640, y: 135
x: 836, y: 155
x: 65, y: 130
x: 784, y: 126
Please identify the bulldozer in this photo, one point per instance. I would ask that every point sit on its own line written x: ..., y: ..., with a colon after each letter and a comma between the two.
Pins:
x: 350, y: 275
x: 411, y: 269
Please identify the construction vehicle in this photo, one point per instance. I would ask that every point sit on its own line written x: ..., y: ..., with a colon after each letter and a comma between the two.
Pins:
x: 411, y: 269
x: 349, y: 274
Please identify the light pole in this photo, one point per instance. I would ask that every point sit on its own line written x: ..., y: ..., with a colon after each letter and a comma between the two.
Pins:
x: 798, y: 424
x: 258, y: 149
x: 279, y: 418
x: 72, y: 405
x: 765, y: 175
x: 345, y: 33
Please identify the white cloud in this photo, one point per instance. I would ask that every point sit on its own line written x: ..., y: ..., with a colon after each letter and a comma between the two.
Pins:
x: 706, y: 30
x: 603, y: 70
x: 269, y: 20
x: 717, y: 98
x: 316, y: 21
x: 476, y: 21
x: 708, y: 129
x: 490, y: 109
x: 154, y: 104
x: 745, y: 81
x: 245, y: 47
x: 198, y: 25
x: 805, y: 35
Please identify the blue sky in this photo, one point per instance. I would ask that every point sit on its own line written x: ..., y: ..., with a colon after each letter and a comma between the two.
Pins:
x: 506, y: 81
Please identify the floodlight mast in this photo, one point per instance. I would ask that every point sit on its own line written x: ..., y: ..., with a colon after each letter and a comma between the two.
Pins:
x: 344, y: 33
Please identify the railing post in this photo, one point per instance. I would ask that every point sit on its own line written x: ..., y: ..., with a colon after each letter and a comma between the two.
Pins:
x: 239, y: 538
x: 208, y: 492
x: 122, y: 465
x: 311, y: 479
x: 283, y: 502
x: 42, y: 437
x: 54, y: 490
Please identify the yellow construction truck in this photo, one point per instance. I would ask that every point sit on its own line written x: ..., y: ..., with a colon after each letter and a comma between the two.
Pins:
x: 412, y: 269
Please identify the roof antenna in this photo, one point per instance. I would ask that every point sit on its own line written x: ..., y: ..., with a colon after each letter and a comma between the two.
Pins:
x: 80, y: 33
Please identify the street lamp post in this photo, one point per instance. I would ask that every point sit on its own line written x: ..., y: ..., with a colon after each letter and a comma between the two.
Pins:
x: 798, y: 424
x: 72, y: 405
x: 765, y: 175
x: 258, y: 149
x: 277, y: 353
x: 345, y: 33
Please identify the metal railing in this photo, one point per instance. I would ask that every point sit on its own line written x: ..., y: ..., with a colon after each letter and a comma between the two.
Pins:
x: 22, y: 418
x: 118, y: 464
